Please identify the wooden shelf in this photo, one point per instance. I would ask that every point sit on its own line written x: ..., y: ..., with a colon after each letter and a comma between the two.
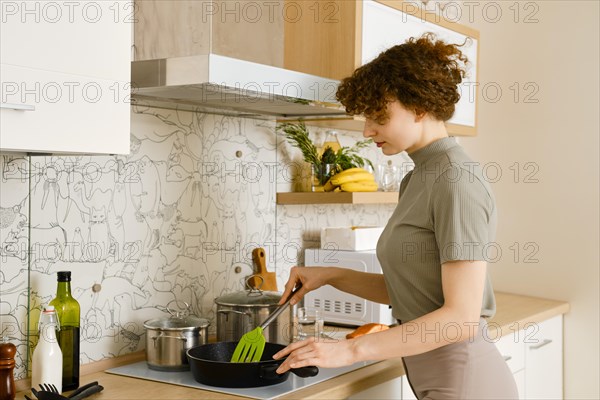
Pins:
x: 337, y: 198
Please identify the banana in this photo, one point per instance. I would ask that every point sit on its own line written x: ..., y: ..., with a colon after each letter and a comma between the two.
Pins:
x: 361, y: 186
x: 340, y: 179
x: 328, y: 187
x: 351, y: 171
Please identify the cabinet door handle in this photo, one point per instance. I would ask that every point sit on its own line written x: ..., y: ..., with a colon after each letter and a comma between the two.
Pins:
x: 544, y: 342
x: 507, y: 358
x: 18, y: 107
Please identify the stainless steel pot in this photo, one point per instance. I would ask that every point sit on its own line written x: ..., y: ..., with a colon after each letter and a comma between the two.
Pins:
x: 169, y: 338
x: 240, y: 312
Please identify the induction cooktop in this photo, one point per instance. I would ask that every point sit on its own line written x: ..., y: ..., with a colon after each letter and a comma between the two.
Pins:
x: 140, y: 370
x: 185, y: 378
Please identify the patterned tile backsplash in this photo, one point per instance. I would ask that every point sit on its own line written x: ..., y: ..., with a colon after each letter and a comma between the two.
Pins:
x: 174, y: 221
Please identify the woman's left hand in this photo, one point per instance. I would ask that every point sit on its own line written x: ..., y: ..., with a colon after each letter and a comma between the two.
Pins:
x: 312, y: 352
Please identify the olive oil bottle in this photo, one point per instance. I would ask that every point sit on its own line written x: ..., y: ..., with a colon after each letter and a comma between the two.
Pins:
x: 68, y: 336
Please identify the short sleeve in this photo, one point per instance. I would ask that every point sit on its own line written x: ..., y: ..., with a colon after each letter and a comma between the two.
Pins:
x: 461, y: 212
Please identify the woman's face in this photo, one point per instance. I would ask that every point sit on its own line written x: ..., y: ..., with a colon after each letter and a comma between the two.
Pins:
x: 400, y: 133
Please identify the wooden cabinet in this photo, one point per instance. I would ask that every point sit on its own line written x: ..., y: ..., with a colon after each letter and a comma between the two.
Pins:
x: 534, y: 356
x: 65, y: 71
x: 346, y: 34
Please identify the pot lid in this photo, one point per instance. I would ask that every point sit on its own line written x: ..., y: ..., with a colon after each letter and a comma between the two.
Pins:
x: 177, y: 323
x: 249, y: 298
x: 179, y: 320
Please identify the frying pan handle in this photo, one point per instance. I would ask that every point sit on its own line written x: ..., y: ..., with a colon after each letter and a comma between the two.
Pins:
x: 268, y: 371
x: 305, y: 372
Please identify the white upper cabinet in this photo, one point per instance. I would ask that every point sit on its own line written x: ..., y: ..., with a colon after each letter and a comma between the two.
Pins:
x: 384, y: 26
x: 353, y: 32
x: 65, y: 72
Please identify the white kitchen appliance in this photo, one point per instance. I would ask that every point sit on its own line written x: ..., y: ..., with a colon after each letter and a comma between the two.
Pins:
x: 352, y: 238
x: 343, y: 308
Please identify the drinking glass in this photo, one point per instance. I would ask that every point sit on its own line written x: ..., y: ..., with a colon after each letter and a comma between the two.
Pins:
x: 388, y: 177
x: 310, y: 322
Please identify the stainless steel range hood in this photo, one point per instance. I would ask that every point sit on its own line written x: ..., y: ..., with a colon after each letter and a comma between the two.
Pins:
x: 223, y: 85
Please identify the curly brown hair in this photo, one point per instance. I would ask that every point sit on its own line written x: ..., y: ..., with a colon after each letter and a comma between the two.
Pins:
x: 422, y: 74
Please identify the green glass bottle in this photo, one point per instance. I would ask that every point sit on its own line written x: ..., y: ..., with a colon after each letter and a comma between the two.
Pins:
x: 68, y: 337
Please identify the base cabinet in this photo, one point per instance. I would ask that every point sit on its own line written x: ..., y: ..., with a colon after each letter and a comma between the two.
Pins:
x: 395, y: 389
x: 407, y: 393
x: 533, y: 353
x: 520, y: 381
x: 544, y: 360
x: 390, y: 390
x: 534, y: 356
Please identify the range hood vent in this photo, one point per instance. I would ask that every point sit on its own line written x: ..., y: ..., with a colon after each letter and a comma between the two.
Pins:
x: 222, y: 85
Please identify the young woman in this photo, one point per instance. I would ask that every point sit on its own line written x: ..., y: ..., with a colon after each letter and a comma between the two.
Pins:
x: 433, y: 249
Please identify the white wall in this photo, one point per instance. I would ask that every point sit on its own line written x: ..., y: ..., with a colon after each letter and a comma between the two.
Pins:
x: 557, y: 216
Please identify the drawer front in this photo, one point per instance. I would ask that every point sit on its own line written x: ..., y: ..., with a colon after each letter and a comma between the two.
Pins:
x: 511, y: 347
x: 63, y: 113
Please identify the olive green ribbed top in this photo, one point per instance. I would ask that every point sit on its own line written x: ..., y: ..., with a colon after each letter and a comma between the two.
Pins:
x: 446, y: 211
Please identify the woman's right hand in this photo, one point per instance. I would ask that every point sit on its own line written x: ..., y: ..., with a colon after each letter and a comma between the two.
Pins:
x: 311, y: 278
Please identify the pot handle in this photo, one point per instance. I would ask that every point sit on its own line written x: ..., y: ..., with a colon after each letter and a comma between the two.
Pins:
x: 178, y: 314
x: 248, y: 314
x: 162, y: 335
x: 256, y: 288
x: 268, y: 371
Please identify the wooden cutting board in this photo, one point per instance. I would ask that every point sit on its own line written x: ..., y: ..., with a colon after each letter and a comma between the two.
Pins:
x: 259, y: 260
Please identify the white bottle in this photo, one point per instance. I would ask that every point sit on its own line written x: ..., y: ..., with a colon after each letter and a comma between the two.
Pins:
x: 47, y: 358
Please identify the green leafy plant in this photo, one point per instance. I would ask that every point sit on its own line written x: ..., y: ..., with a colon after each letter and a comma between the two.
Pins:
x: 344, y: 158
x: 297, y: 136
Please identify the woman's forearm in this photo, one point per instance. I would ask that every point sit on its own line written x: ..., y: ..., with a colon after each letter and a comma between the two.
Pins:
x: 456, y: 320
x: 362, y: 284
x: 436, y: 329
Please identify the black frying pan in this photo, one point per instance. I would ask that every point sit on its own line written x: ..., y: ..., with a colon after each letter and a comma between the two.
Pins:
x: 210, y: 365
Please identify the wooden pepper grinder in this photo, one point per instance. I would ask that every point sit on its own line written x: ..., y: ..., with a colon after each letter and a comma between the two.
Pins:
x: 7, y: 365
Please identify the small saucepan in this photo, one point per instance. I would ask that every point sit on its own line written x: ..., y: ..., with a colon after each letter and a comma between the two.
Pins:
x: 168, y: 339
x: 210, y: 365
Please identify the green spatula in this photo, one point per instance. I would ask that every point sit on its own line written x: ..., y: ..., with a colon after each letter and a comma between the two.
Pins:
x: 252, y: 345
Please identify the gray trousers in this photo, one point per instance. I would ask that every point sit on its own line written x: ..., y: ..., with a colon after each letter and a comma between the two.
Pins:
x: 465, y: 370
